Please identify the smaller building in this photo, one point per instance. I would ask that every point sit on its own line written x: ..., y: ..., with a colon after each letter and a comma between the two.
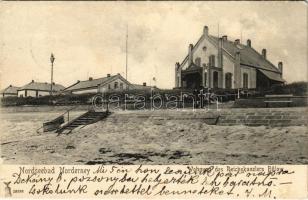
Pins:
x: 10, y: 91
x: 37, y: 89
x: 108, y: 83
x: 142, y: 87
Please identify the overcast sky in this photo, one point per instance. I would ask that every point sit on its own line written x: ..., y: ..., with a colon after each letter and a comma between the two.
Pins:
x: 88, y: 38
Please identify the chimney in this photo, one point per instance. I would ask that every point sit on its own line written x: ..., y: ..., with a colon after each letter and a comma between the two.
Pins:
x: 190, y: 55
x: 108, y: 75
x: 224, y: 38
x: 32, y: 81
x: 237, y: 41
x: 280, y: 67
x: 205, y: 30
x: 264, y: 53
x: 249, y: 43
x: 177, y: 65
x: 10, y: 85
x: 53, y: 83
x: 144, y: 84
x: 90, y: 79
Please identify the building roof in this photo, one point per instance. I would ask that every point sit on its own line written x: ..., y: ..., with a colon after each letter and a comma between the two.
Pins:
x: 10, y: 90
x: 272, y: 75
x: 93, y: 83
x: 40, y: 86
x: 249, y: 56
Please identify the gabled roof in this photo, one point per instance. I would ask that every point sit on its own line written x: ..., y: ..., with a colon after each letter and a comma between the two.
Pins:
x: 40, y: 86
x: 10, y: 90
x: 249, y: 56
x: 94, y: 83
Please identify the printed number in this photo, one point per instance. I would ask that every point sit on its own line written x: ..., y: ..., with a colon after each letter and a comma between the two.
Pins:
x: 18, y: 191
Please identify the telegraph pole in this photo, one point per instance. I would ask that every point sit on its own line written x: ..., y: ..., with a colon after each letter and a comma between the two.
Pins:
x: 52, y: 60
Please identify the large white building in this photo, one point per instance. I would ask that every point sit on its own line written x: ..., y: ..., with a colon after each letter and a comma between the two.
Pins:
x: 219, y: 63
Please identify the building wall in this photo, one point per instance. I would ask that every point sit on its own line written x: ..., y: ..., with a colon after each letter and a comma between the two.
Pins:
x: 32, y: 93
x: 8, y: 95
x: 228, y: 67
x: 252, y: 76
x: 111, y: 86
x: 92, y: 90
x: 21, y: 93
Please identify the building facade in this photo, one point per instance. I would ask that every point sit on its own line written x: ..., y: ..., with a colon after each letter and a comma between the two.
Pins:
x: 37, y: 89
x: 219, y: 63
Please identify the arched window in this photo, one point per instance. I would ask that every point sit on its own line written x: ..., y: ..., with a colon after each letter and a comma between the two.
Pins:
x: 205, y: 79
x: 228, y: 80
x: 215, y: 79
x: 198, y: 61
x: 245, y: 80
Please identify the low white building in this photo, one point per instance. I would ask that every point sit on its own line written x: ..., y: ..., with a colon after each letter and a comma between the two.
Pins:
x: 37, y: 89
x: 10, y: 91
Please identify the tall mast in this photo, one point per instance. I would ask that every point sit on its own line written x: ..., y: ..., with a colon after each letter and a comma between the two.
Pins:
x: 218, y: 30
x: 126, y: 52
x: 52, y: 59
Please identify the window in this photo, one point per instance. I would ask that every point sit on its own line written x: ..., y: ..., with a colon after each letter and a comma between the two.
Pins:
x: 205, y: 79
x: 212, y: 61
x: 198, y: 61
x: 109, y: 87
x: 215, y: 79
x: 228, y: 80
x: 121, y: 86
x: 115, y: 85
x: 245, y: 80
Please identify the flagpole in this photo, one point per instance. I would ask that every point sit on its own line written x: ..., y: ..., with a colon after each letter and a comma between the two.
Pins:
x: 218, y: 30
x: 52, y: 59
x: 126, y: 51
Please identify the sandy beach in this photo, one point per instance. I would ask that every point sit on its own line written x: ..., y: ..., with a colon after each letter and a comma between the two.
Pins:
x: 127, y: 138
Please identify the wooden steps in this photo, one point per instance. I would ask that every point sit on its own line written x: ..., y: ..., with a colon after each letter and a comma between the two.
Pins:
x: 89, y: 117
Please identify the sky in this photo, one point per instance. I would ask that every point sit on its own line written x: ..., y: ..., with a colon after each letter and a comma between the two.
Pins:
x: 88, y: 38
